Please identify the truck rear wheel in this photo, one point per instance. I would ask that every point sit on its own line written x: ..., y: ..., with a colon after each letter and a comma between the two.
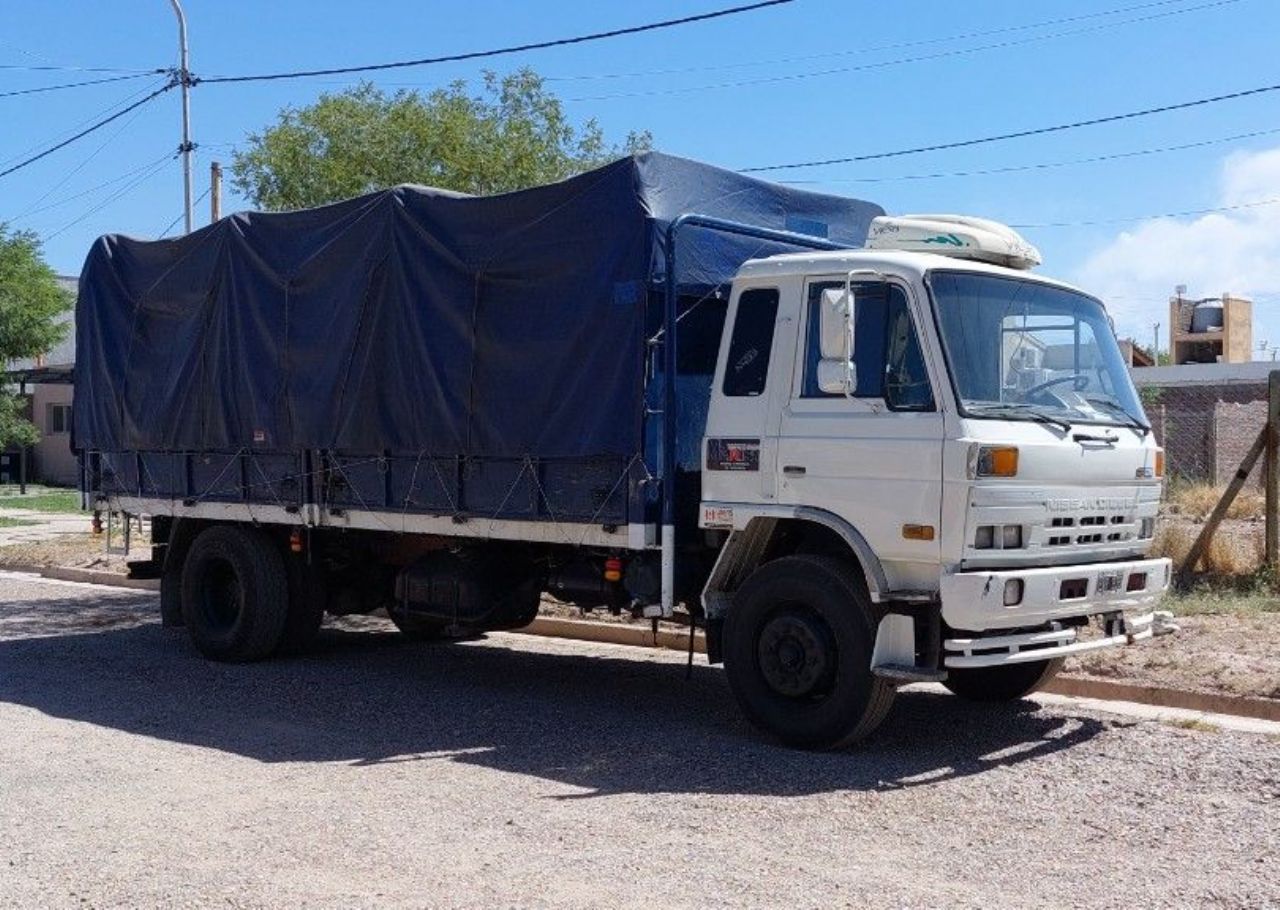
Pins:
x: 235, y: 594
x: 307, y: 598
x: 1007, y: 683
x: 797, y: 652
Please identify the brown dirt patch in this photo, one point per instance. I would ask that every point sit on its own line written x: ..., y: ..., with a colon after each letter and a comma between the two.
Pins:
x: 1226, y: 654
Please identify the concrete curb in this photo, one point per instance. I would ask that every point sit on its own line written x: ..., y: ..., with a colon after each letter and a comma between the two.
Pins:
x: 678, y: 640
x: 85, y: 576
x: 1156, y: 696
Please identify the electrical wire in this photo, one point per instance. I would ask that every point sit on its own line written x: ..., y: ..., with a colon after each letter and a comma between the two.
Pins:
x: 54, y: 88
x: 82, y: 165
x: 64, y: 68
x: 496, y: 52
x: 1184, y: 214
x: 93, y: 189
x: 1040, y: 165
x: 199, y: 199
x: 900, y: 45
x: 87, y: 130
x: 46, y: 140
x: 883, y: 64
x: 1019, y: 134
x: 127, y: 188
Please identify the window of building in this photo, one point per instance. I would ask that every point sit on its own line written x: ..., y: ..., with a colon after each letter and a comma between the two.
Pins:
x: 57, y: 418
x: 747, y: 368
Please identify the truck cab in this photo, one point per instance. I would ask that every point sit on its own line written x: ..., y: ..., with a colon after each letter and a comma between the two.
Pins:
x: 961, y: 435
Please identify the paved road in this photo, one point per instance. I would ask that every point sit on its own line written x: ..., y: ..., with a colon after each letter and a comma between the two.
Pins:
x: 526, y: 772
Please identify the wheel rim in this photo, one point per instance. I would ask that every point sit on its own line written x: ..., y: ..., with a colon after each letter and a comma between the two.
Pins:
x: 796, y: 653
x: 220, y: 596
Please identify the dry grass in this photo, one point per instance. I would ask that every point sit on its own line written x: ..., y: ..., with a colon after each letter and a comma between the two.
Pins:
x: 1228, y: 554
x: 1196, y: 500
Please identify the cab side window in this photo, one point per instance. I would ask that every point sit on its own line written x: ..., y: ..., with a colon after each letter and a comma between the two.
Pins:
x: 887, y: 357
x: 747, y: 367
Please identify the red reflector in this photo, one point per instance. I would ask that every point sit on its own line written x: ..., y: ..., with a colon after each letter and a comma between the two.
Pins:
x: 1137, y: 582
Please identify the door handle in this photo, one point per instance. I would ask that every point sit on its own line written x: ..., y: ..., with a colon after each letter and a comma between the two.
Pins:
x: 793, y: 470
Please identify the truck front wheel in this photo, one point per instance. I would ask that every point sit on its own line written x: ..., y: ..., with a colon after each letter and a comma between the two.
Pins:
x: 235, y: 594
x: 1007, y: 683
x: 797, y: 652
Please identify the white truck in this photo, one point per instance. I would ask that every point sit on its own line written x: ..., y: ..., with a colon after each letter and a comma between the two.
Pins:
x: 936, y: 468
x: 919, y: 460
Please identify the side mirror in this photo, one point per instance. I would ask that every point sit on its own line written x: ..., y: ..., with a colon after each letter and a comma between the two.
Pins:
x: 836, y: 375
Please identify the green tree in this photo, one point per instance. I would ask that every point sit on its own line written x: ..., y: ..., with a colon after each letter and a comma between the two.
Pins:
x: 30, y: 303
x: 512, y: 135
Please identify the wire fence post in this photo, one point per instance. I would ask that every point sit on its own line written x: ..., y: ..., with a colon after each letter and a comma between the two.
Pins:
x: 1273, y: 470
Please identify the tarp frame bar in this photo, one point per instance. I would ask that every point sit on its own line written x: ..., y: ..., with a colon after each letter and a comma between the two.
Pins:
x: 670, y: 318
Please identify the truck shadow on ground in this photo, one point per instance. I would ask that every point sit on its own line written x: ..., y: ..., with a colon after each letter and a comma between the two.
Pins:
x: 604, y: 724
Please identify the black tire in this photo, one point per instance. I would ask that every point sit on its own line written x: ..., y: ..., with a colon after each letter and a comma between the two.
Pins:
x: 1002, y: 683
x: 797, y: 652
x: 235, y: 594
x: 171, y: 595
x: 308, y: 596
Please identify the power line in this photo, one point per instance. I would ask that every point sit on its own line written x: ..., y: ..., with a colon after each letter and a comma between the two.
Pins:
x: 199, y: 199
x: 900, y: 45
x: 1040, y: 165
x: 81, y: 166
x: 512, y: 49
x: 55, y: 88
x: 1019, y: 134
x: 87, y: 130
x: 64, y: 68
x: 1184, y: 214
x: 127, y: 188
x: 97, y: 186
x: 84, y: 122
x: 883, y: 64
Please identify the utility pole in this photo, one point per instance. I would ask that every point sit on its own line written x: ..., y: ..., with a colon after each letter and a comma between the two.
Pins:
x: 1155, y: 345
x: 184, y: 80
x: 215, y: 191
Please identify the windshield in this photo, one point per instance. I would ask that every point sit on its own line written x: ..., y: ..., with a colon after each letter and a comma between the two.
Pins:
x: 1023, y: 350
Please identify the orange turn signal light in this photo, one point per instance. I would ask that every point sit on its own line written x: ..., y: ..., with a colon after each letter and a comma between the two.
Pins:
x: 997, y: 461
x: 1159, y: 462
x: 917, y: 532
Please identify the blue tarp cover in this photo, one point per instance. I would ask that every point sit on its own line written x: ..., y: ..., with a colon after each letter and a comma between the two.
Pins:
x: 414, y: 320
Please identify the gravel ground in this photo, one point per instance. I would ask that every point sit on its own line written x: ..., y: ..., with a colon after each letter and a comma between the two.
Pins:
x: 535, y: 773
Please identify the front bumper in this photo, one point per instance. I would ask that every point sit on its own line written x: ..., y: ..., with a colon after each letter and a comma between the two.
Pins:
x: 1001, y: 650
x: 976, y: 600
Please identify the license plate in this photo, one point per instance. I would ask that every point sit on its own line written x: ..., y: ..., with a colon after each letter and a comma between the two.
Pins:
x: 1109, y: 582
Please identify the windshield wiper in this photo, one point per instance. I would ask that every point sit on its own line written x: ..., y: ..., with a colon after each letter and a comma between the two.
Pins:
x: 1021, y: 408
x: 1129, y: 420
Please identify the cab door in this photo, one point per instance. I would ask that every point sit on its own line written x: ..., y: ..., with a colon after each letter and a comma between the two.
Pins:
x: 873, y: 457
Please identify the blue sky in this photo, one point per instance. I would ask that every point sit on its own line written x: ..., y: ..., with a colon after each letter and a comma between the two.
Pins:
x: 813, y: 79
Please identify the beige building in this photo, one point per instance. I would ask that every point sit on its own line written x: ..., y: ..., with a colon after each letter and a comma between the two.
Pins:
x: 1211, y: 330
x: 46, y: 382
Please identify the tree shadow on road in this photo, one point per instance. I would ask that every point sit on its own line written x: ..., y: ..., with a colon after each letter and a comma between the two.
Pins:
x: 602, y: 724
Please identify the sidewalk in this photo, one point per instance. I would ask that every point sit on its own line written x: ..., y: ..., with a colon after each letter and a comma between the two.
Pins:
x: 38, y: 526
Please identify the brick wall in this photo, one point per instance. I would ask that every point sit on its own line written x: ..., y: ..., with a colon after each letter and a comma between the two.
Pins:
x: 1205, y: 429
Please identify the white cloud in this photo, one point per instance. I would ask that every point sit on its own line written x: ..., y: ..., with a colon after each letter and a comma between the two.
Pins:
x: 1236, y: 251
